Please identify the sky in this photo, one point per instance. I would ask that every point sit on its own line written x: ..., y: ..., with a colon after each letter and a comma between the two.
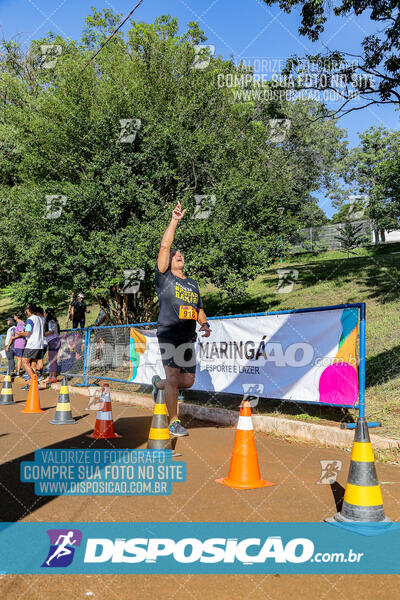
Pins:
x: 248, y: 30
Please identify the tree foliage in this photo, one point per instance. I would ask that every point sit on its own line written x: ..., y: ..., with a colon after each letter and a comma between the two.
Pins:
x: 312, y: 215
x: 86, y: 196
x: 350, y: 236
x: 385, y: 199
x: 368, y: 173
x: 373, y: 75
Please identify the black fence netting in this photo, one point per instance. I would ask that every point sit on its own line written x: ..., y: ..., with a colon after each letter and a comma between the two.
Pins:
x: 71, y: 352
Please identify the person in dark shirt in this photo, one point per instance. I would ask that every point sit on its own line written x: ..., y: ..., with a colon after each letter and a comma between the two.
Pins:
x: 78, y: 312
x: 180, y: 308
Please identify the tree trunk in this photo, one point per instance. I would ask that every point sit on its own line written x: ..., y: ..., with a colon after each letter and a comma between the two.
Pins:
x: 127, y: 309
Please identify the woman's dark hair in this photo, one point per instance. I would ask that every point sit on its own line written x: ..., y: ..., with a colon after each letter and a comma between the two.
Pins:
x: 172, y: 253
x: 31, y: 306
x: 19, y: 315
x: 50, y: 316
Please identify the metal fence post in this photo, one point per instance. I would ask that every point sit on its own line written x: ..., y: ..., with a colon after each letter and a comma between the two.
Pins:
x: 86, y: 356
x: 361, y: 371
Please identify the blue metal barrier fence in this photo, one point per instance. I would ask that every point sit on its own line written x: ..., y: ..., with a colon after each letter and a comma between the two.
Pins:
x: 86, y: 342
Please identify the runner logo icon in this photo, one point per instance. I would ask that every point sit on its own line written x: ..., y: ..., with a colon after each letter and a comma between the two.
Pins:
x: 62, y: 547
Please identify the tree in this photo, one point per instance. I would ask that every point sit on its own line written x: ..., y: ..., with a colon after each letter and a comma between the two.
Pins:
x: 366, y: 172
x: 350, y: 236
x: 385, y: 200
x: 356, y: 170
x: 374, y: 75
x: 349, y: 212
x: 100, y: 155
x: 312, y: 215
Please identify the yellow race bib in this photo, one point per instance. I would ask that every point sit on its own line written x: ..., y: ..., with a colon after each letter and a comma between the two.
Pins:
x: 187, y: 312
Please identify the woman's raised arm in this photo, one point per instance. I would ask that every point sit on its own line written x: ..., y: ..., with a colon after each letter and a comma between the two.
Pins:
x: 168, y: 238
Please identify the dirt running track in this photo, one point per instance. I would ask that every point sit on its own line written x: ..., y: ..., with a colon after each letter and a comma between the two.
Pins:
x: 296, y: 496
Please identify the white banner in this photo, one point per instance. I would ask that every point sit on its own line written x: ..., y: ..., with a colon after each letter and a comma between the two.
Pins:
x: 306, y: 357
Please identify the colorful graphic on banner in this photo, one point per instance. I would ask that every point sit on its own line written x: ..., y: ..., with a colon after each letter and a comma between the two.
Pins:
x: 137, y: 347
x: 303, y: 357
x: 339, y: 382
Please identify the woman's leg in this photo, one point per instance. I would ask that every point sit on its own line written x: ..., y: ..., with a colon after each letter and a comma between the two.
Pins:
x: 11, y: 363
x: 174, y: 381
x: 186, y: 380
x: 170, y: 387
x: 176, y: 377
x: 52, y: 364
x: 26, y: 363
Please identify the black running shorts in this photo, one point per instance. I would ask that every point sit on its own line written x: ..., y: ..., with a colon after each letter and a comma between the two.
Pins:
x: 178, y: 355
x: 32, y: 353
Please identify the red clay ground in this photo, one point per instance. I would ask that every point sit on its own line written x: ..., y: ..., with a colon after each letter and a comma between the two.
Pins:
x: 294, y: 467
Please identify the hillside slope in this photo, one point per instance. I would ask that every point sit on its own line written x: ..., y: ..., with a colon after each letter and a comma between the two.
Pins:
x: 372, y: 275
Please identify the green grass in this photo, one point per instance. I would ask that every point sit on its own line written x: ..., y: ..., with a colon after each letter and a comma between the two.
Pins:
x: 7, y: 308
x: 372, y: 275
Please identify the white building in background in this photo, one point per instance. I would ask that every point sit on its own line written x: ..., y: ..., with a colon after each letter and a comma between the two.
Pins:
x: 357, y: 204
x: 325, y: 237
x: 392, y: 236
x: 388, y: 237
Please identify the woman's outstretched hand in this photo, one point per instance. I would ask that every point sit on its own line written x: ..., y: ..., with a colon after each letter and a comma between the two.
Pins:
x: 178, y: 213
x: 205, y: 327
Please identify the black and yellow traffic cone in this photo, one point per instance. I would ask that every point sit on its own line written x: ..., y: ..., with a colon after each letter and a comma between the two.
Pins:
x: 159, y: 433
x: 63, y: 415
x: 362, y: 502
x: 6, y: 396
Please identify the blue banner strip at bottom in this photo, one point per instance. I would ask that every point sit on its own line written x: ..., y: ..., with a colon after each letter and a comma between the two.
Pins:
x: 198, y: 548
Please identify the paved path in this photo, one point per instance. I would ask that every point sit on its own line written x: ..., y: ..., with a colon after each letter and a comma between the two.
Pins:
x: 297, y: 496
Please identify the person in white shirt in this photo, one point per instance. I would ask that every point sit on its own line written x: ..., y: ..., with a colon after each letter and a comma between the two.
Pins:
x: 9, y: 345
x: 39, y: 367
x: 34, y: 340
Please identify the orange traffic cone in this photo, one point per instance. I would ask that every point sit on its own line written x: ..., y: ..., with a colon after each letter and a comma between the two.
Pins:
x: 104, y: 426
x: 32, y: 402
x: 244, y: 472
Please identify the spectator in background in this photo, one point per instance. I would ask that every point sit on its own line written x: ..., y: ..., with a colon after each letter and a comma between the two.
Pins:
x: 78, y: 312
x: 9, y: 345
x: 67, y: 355
x: 52, y: 336
x: 19, y: 343
x: 101, y: 321
x: 34, y: 341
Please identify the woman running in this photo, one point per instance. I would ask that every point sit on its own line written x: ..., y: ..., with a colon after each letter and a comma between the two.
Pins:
x: 180, y: 308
